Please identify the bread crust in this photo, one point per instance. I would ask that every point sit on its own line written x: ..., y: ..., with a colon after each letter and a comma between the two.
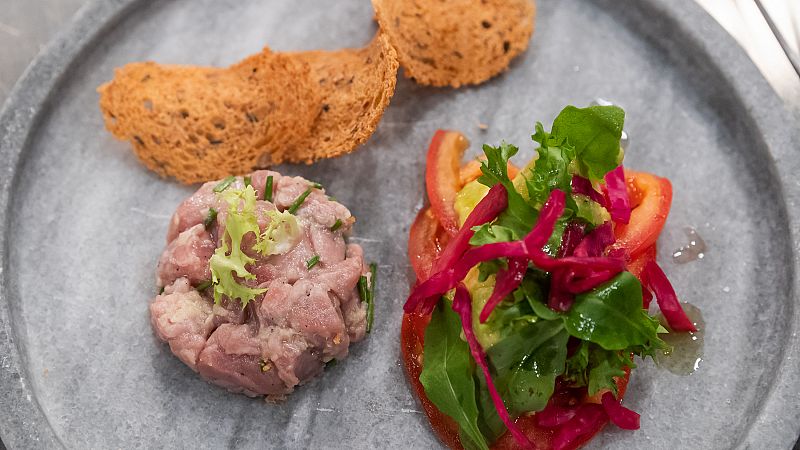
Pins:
x: 356, y: 86
x: 202, y: 123
x: 456, y: 42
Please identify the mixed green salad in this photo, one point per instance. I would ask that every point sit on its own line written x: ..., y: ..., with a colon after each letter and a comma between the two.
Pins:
x: 532, y: 305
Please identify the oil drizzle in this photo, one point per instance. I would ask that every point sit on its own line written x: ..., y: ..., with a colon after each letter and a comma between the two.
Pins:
x: 686, y: 354
x: 695, y: 249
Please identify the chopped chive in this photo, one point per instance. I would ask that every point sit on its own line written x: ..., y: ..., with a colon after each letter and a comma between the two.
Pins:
x: 268, y: 189
x: 331, y: 363
x: 297, y: 203
x: 161, y: 291
x: 373, y: 270
x: 312, y: 262
x: 224, y: 184
x: 204, y: 285
x: 316, y: 185
x: 366, y: 290
x: 332, y: 198
x: 362, y: 288
x: 210, y: 218
x: 248, y: 181
x: 337, y: 225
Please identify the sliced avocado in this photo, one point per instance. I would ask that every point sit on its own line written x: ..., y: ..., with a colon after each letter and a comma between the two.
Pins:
x: 480, y: 292
x: 466, y: 199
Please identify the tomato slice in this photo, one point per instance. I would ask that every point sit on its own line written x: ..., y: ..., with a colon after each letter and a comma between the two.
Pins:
x: 412, y: 335
x: 651, y: 198
x: 426, y: 239
x: 443, y: 177
x: 636, y: 266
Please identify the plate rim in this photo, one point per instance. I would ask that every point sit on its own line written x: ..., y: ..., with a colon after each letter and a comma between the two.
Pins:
x: 30, y: 99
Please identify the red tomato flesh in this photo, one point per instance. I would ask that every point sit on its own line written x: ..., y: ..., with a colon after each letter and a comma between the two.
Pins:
x: 443, y: 177
x: 651, y: 198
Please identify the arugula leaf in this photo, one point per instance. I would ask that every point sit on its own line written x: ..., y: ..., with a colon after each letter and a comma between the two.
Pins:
x: 527, y: 363
x: 489, y: 233
x: 489, y: 422
x: 611, y: 316
x: 554, y: 243
x: 489, y: 268
x: 447, y: 375
x: 594, y: 133
x: 535, y: 296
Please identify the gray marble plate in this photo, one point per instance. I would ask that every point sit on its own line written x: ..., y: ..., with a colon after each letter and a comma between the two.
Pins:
x: 83, y: 224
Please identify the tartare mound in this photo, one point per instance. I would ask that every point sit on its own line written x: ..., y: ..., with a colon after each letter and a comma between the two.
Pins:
x: 306, y: 308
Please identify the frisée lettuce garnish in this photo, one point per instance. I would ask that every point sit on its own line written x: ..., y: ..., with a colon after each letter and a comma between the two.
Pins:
x: 229, y: 262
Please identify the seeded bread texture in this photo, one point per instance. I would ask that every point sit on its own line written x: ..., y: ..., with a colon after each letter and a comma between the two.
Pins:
x: 456, y: 42
x: 356, y: 86
x: 198, y: 123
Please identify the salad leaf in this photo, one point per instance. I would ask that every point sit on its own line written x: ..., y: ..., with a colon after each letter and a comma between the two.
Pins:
x: 594, y: 133
x: 488, y: 233
x: 605, y: 366
x: 577, y: 365
x: 536, y: 298
x: 228, y: 260
x: 489, y: 422
x: 447, y: 375
x: 281, y: 234
x: 527, y: 364
x: 551, y: 169
x: 611, y: 316
x: 519, y: 217
x: 596, y: 368
x: 590, y: 211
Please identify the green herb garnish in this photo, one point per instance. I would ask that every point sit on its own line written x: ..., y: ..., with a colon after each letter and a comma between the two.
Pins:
x: 316, y: 185
x: 224, y: 184
x: 312, y: 262
x: 211, y: 217
x: 336, y: 225
x: 203, y: 286
x: 447, y: 375
x: 229, y: 262
x: 248, y: 181
x: 268, y: 189
x: 299, y: 202
x: 366, y: 290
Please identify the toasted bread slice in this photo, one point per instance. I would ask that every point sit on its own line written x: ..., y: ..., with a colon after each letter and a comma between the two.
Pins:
x: 198, y: 123
x: 457, y: 42
x: 356, y: 86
